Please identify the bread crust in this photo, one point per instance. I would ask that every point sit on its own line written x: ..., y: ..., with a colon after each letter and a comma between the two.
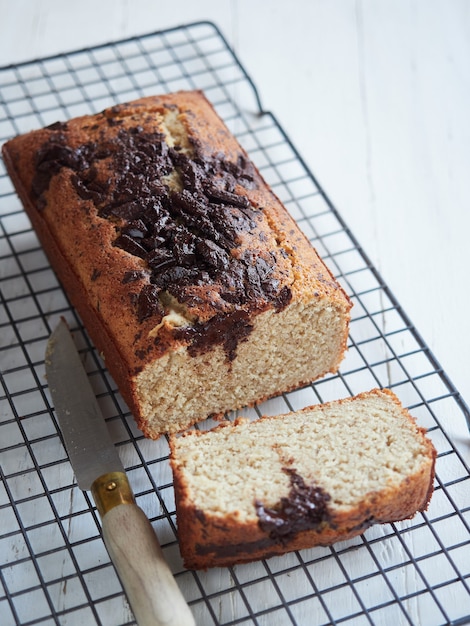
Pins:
x: 215, y: 540
x: 81, y: 246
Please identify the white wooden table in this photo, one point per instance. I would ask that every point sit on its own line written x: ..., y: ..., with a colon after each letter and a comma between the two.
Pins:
x: 376, y: 98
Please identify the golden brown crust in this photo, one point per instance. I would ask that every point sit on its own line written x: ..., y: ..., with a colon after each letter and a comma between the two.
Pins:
x: 210, y: 540
x: 80, y: 243
x: 76, y: 290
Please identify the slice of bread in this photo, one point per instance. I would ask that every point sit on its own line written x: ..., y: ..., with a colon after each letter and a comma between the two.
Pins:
x: 249, y: 490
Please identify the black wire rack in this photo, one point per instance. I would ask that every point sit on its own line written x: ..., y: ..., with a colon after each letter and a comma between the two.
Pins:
x: 54, y: 568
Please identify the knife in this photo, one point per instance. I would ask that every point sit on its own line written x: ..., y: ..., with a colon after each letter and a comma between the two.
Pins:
x: 133, y: 547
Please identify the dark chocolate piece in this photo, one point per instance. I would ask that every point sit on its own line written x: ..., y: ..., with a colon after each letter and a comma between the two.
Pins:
x: 306, y: 508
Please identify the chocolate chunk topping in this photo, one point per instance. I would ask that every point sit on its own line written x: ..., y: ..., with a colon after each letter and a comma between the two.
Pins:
x: 148, y: 303
x: 187, y: 237
x: 305, y: 508
x: 132, y: 276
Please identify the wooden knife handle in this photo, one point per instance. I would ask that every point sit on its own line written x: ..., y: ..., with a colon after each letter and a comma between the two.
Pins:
x: 132, y: 544
x: 153, y: 594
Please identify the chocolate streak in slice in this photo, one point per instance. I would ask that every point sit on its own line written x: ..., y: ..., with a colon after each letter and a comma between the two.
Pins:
x: 306, y: 508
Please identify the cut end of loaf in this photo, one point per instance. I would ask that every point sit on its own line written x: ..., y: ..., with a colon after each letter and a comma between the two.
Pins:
x: 282, y: 351
x: 312, y: 477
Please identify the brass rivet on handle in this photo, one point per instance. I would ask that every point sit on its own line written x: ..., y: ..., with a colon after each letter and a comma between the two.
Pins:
x: 111, y: 490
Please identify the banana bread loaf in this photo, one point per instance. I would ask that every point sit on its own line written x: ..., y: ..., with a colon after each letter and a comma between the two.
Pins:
x: 194, y: 283
x: 249, y: 490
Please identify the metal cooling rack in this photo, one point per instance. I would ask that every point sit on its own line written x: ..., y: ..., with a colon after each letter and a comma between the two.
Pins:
x: 54, y: 568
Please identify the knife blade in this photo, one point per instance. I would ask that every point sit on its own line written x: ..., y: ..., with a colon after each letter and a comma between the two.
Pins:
x: 132, y: 544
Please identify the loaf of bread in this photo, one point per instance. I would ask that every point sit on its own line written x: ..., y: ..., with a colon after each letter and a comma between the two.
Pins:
x: 250, y: 490
x: 194, y: 283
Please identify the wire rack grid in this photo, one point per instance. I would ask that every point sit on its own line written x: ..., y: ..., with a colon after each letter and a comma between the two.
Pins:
x: 54, y: 568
